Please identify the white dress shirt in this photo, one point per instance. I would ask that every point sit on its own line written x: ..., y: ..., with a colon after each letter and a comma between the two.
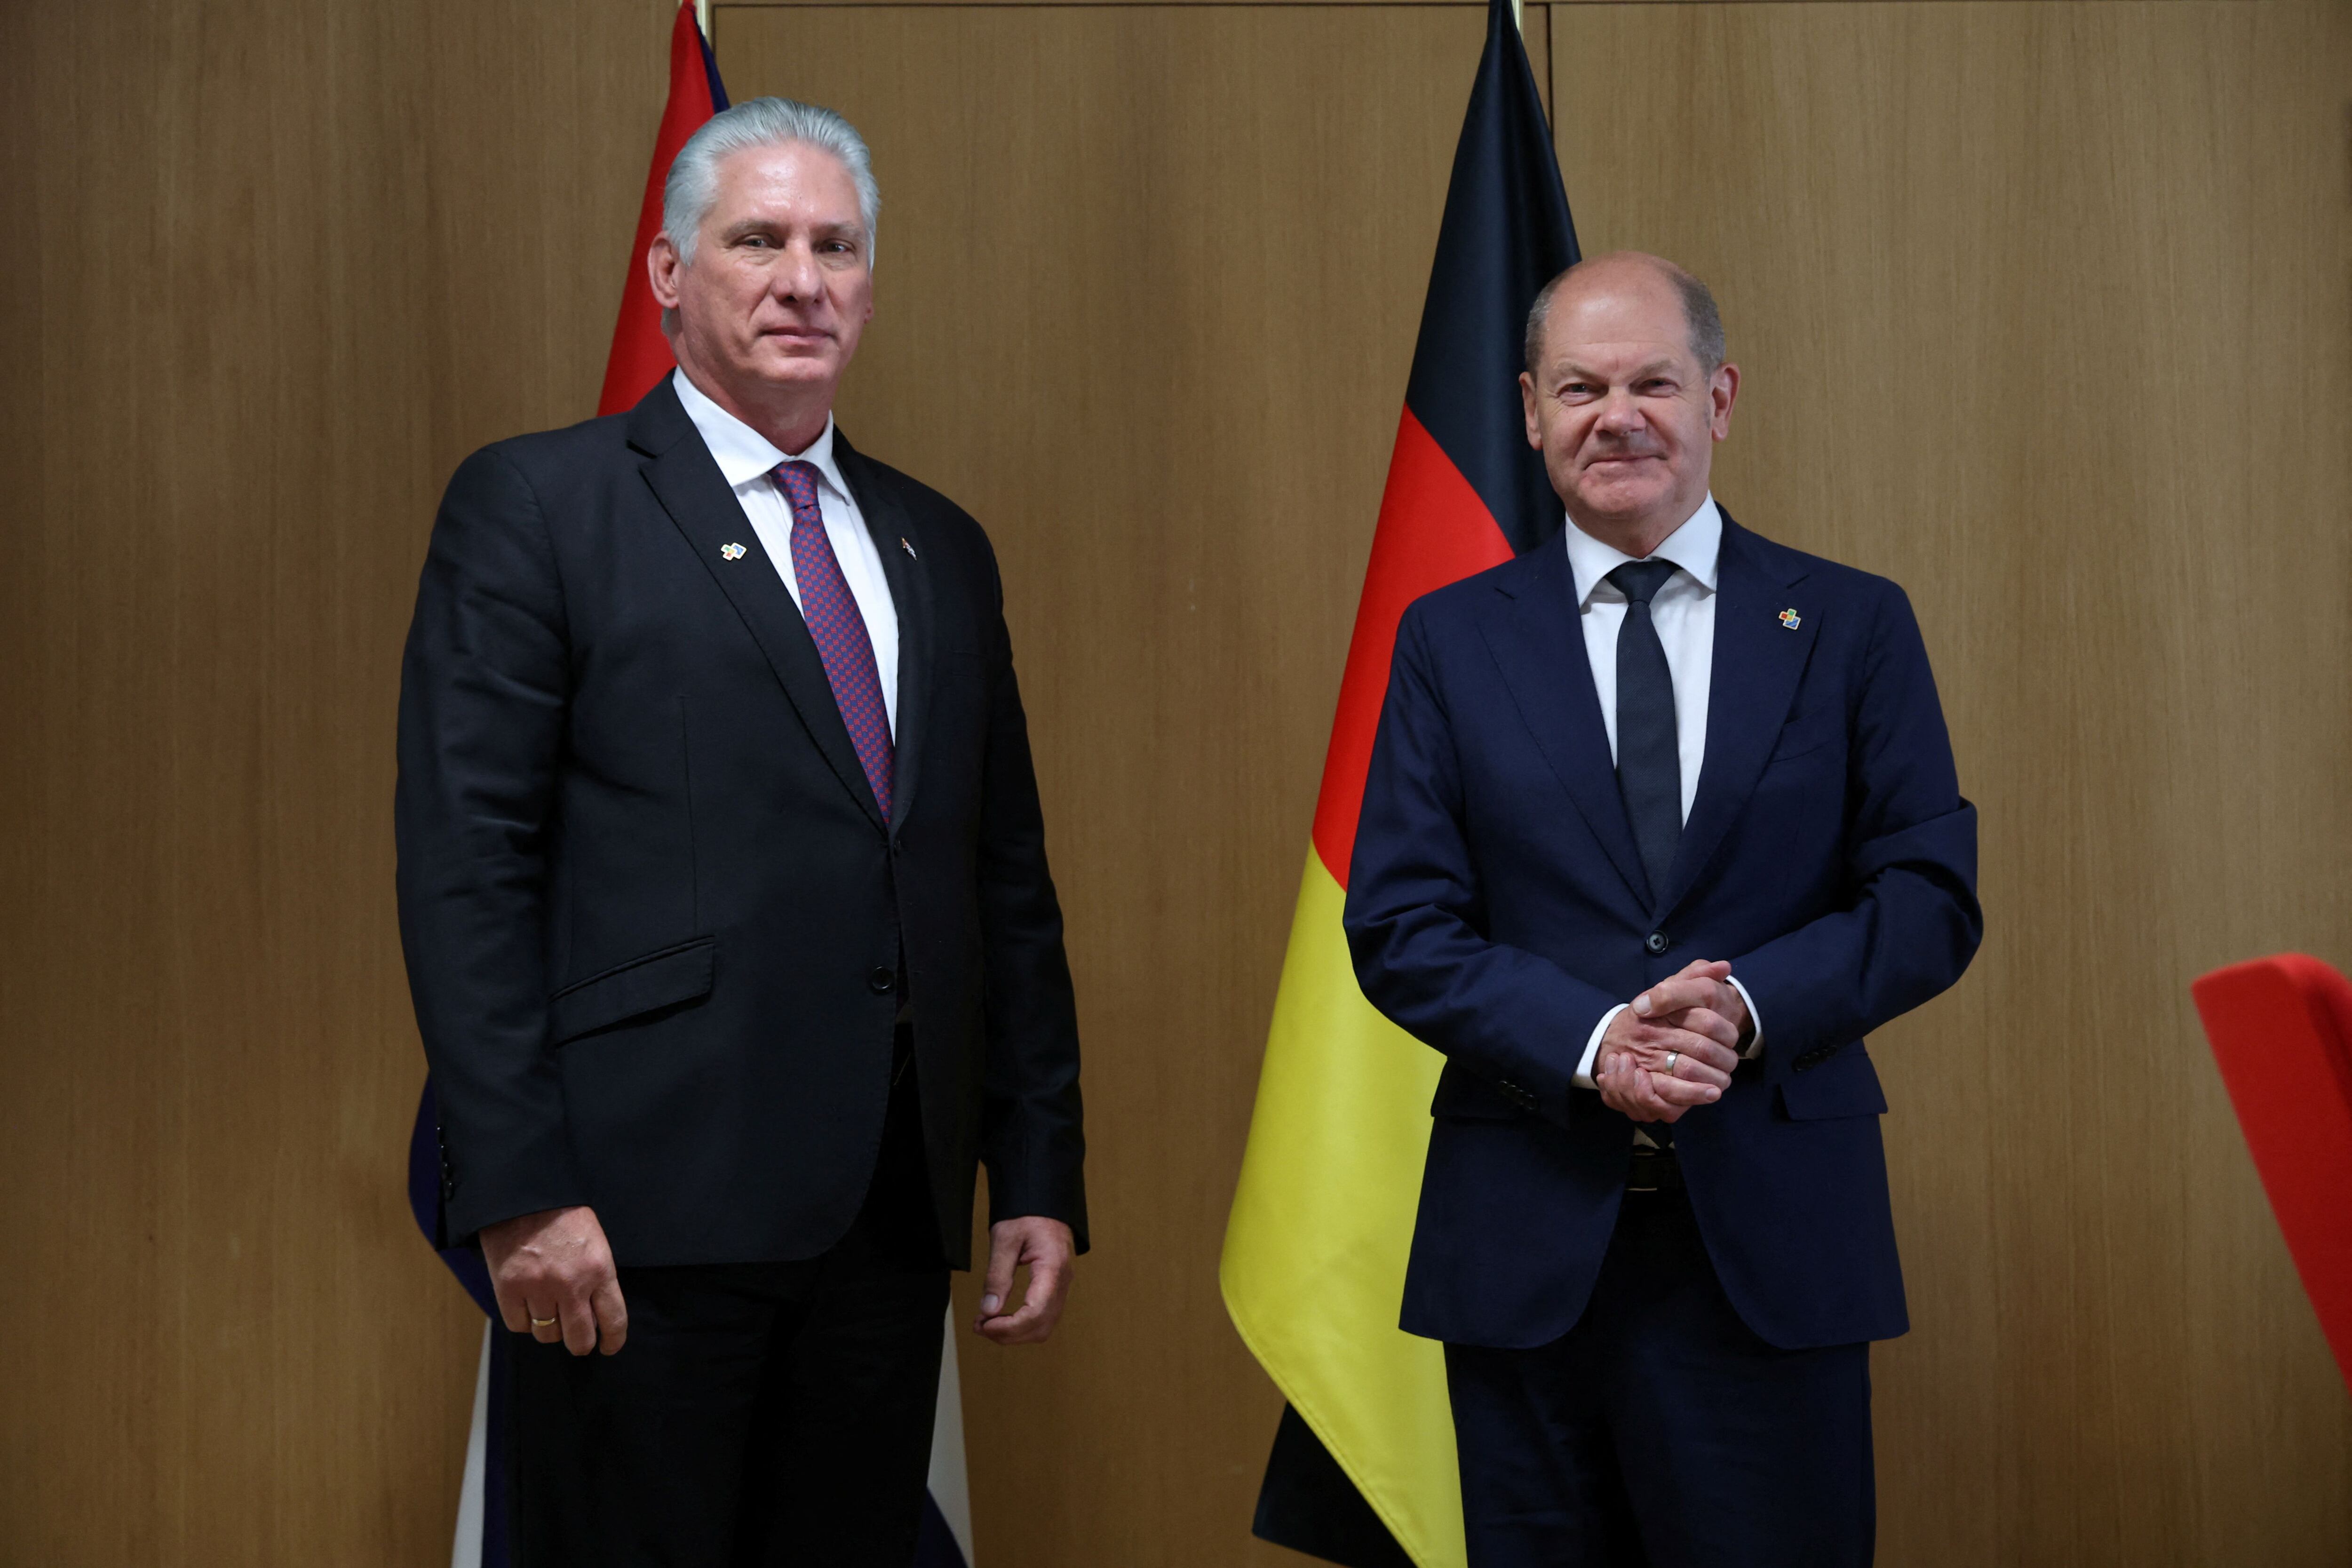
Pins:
x: 1683, y: 614
x: 747, y: 458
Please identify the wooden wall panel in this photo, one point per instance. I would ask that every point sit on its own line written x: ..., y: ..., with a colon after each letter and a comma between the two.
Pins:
x: 2044, y: 312
x: 1148, y: 282
x: 725, y: 5
x: 285, y: 264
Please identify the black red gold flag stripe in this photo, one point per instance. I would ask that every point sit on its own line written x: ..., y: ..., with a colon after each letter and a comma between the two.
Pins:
x: 1363, y: 1467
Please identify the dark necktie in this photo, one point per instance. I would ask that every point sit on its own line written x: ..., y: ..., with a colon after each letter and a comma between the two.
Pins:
x: 1649, y: 753
x: 831, y: 611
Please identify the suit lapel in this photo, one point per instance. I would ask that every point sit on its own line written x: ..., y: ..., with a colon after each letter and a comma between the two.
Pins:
x: 1538, y: 640
x: 897, y: 540
x: 1758, y: 662
x: 688, y: 485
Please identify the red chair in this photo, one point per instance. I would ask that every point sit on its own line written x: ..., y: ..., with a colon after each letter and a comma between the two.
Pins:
x: 2282, y: 1031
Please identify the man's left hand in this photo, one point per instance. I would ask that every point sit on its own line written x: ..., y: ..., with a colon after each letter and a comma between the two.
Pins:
x: 1676, y: 1047
x: 1043, y: 1246
x: 1701, y: 999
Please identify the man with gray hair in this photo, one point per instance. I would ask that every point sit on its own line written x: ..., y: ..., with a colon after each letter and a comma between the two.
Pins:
x: 724, y: 895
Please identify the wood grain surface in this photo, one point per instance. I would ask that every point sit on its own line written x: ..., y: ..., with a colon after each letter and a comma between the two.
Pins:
x: 1147, y: 287
x: 286, y: 265
x: 2046, y: 311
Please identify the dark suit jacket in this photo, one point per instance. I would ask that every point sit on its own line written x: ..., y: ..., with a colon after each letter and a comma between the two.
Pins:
x: 654, y: 923
x: 1496, y: 909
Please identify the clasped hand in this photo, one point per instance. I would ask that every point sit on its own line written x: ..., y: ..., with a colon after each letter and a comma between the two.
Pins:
x: 1698, y: 1019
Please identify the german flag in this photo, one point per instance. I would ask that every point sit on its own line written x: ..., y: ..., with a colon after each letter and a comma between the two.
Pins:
x: 1363, y: 1467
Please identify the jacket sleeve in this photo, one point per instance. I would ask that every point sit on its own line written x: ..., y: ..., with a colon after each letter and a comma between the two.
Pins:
x: 1416, y: 918
x: 1911, y: 922
x: 1032, y: 1135
x: 484, y: 684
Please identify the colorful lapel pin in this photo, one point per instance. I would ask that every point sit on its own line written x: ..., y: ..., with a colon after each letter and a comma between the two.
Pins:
x: 908, y: 548
x: 1790, y: 619
x: 730, y: 553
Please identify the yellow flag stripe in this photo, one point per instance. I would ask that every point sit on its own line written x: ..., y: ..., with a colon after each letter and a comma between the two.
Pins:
x: 1313, y: 1271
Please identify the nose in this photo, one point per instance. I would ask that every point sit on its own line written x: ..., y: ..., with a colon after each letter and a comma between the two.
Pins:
x: 796, y: 276
x: 1620, y: 416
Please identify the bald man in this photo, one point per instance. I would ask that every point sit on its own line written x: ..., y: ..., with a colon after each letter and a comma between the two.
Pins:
x: 1661, y: 821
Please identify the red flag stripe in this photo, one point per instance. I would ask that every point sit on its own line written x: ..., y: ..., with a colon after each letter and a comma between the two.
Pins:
x: 1432, y: 530
x: 641, y: 355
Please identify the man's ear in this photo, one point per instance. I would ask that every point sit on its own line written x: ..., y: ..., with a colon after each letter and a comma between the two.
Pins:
x: 1722, y: 391
x: 1528, y: 407
x: 662, y: 269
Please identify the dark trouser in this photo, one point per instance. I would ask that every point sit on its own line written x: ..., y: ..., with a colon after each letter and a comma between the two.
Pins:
x: 1660, y: 1432
x: 760, y: 1415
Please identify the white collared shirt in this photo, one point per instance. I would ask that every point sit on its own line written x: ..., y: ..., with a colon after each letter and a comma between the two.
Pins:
x: 1683, y: 613
x: 747, y: 459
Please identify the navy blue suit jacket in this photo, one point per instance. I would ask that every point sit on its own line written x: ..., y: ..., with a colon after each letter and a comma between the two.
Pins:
x: 1496, y: 909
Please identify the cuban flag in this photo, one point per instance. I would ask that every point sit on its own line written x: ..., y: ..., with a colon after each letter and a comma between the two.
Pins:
x: 640, y: 356
x: 945, y: 1540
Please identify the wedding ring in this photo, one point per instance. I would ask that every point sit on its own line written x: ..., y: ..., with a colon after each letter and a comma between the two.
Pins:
x: 544, y: 1322
x: 1672, y: 1057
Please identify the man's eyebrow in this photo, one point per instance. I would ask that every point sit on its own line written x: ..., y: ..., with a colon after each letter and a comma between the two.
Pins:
x: 1663, y: 364
x: 848, y: 227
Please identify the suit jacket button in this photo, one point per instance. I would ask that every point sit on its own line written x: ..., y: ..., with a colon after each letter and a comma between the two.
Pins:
x: 1656, y: 944
x: 882, y: 979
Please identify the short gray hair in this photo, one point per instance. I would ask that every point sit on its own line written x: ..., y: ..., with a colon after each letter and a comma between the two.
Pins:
x: 693, y: 183
x: 1699, y: 309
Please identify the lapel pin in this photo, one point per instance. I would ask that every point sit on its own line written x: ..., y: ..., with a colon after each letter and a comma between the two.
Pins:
x: 730, y: 553
x: 908, y: 548
x: 1790, y: 619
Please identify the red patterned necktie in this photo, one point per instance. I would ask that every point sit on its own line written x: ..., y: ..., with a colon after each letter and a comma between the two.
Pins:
x: 831, y: 611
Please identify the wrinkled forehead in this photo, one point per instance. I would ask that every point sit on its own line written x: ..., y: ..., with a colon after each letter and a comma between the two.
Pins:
x: 796, y: 178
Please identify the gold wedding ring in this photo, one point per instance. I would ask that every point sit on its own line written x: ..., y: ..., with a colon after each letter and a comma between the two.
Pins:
x: 544, y: 1322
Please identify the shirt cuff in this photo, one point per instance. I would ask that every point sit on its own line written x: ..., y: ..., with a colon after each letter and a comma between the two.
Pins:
x: 1592, y: 1046
x: 1754, y: 1023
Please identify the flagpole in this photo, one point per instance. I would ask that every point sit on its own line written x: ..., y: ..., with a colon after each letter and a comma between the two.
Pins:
x: 1518, y: 17
x: 702, y: 15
